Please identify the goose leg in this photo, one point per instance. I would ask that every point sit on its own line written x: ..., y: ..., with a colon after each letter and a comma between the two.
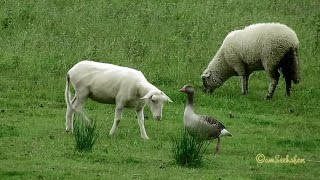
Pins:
x: 217, y: 147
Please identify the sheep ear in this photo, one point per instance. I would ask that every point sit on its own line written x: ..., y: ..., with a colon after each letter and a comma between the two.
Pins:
x: 167, y: 97
x: 205, y: 75
x: 148, y: 95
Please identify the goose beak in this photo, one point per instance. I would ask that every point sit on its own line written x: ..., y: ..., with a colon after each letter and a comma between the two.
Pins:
x: 182, y: 89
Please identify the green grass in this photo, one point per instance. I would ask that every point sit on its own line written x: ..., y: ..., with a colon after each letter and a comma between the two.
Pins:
x: 171, y: 42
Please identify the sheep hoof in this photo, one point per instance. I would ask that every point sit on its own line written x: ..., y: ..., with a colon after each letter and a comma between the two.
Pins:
x: 111, y: 133
x: 208, y: 91
x: 268, y: 97
x: 69, y: 131
x: 245, y: 93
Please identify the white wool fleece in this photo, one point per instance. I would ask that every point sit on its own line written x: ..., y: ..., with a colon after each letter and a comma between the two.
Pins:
x: 260, y: 46
x: 264, y: 46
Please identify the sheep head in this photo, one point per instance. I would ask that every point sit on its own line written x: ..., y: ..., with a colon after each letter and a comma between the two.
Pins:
x: 210, y: 82
x: 155, y: 101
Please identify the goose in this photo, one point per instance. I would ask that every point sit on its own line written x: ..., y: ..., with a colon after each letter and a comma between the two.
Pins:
x: 202, y: 126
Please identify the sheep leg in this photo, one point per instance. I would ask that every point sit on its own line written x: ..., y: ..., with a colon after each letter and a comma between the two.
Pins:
x: 117, y: 119
x: 70, y: 116
x: 217, y: 147
x: 288, y: 85
x: 241, y: 70
x: 141, y: 124
x: 244, y: 87
x: 274, y: 75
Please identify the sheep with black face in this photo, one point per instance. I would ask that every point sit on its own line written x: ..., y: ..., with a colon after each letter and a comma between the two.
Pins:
x: 272, y: 47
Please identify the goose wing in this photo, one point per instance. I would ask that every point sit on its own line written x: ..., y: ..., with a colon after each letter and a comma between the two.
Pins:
x: 212, y: 121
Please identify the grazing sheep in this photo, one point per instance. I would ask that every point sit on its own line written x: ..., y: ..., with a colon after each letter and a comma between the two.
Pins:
x: 267, y: 46
x: 112, y: 84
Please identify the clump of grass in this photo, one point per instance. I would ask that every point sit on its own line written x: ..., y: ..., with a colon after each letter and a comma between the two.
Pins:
x: 85, y: 134
x: 188, y: 150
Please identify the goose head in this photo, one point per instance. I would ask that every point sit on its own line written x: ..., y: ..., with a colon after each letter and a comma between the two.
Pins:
x: 187, y: 89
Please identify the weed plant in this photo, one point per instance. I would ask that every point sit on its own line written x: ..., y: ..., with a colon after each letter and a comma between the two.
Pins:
x: 85, y: 134
x: 188, y: 150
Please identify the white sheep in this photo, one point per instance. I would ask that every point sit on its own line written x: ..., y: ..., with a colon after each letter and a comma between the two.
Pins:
x: 266, y: 46
x: 112, y: 84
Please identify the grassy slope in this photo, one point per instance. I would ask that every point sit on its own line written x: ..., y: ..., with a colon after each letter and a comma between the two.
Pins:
x: 171, y: 42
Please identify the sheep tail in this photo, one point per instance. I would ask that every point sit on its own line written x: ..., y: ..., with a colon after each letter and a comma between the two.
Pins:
x: 68, y: 98
x: 290, y: 68
x: 67, y: 93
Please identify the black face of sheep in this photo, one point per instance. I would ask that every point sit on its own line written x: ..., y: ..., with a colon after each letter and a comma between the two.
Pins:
x: 206, y: 88
x: 208, y: 85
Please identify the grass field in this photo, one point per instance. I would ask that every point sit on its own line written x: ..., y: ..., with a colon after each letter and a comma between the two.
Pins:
x: 171, y: 42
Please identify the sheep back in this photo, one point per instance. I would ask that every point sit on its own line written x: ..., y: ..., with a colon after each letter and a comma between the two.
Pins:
x: 106, y: 82
x: 259, y: 46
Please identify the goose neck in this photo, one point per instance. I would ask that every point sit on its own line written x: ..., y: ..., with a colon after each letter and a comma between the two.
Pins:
x: 190, y: 100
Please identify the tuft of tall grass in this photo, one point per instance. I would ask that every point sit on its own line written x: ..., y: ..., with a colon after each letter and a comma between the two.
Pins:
x: 85, y: 133
x: 188, y: 150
